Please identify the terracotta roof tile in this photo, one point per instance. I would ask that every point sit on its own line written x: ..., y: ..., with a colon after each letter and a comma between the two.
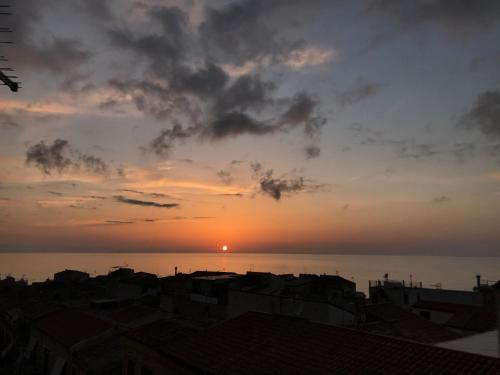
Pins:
x: 71, y: 326
x: 257, y: 343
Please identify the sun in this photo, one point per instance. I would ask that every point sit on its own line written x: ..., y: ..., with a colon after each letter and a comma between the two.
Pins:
x: 225, y: 248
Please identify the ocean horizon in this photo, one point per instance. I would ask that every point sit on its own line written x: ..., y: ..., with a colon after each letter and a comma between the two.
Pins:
x: 460, y: 272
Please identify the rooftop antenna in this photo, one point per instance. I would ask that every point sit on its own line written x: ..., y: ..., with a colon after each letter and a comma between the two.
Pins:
x: 6, y: 79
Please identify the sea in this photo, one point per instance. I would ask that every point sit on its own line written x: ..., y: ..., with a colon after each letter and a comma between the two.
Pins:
x: 445, y: 272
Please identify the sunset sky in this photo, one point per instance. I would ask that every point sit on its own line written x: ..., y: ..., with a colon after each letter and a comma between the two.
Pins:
x: 328, y: 126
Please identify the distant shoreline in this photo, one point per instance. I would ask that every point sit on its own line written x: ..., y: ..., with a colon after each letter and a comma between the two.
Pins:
x: 208, y: 252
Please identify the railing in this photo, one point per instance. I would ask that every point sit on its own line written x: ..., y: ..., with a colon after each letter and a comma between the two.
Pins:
x: 394, y: 283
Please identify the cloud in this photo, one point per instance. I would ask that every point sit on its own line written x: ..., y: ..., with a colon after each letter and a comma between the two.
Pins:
x: 442, y: 199
x: 253, y: 30
x: 49, y: 157
x: 225, y: 176
x: 33, y: 51
x: 308, y: 56
x: 361, y: 90
x: 231, y: 124
x: 302, y: 110
x: 238, y: 195
x: 122, y: 199
x: 152, y: 195
x: 162, y: 145
x: 312, y: 152
x: 237, y: 32
x: 61, y: 156
x: 247, y: 92
x: 185, y: 81
x: 164, y: 49
x: 484, y: 114
x: 93, y: 164
x: 460, y: 16
x: 275, y: 187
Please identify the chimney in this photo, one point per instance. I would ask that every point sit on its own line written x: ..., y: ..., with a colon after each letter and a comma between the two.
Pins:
x: 478, y: 282
x: 175, y: 271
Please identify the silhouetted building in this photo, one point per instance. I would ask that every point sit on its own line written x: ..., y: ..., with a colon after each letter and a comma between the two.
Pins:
x: 71, y: 276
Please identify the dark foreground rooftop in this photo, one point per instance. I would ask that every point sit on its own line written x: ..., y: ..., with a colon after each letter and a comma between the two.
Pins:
x: 257, y: 343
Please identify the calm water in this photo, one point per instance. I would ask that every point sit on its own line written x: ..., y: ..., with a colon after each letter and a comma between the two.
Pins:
x: 451, y: 272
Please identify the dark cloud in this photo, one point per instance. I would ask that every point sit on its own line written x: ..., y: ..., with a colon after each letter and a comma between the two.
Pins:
x: 155, y: 99
x: 164, y: 49
x: 247, y: 92
x: 33, y: 52
x: 254, y: 30
x: 362, y: 89
x: 275, y: 187
x: 122, y: 199
x: 238, y: 195
x: 225, y: 176
x: 61, y: 156
x: 50, y: 157
x: 312, y: 152
x: 461, y: 16
x: 56, y: 193
x: 162, y: 144
x: 302, y: 110
x: 203, y: 100
x: 118, y: 222
x: 205, y: 82
x: 93, y: 164
x: 237, y: 32
x: 256, y: 169
x: 77, y: 84
x: 441, y: 199
x: 152, y: 195
x: 484, y: 114
x: 97, y: 9
x: 232, y: 124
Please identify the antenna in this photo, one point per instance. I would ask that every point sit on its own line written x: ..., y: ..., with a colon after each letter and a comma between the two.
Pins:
x: 6, y: 79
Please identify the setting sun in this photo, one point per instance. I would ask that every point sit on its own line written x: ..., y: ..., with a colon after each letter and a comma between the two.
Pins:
x: 225, y: 248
